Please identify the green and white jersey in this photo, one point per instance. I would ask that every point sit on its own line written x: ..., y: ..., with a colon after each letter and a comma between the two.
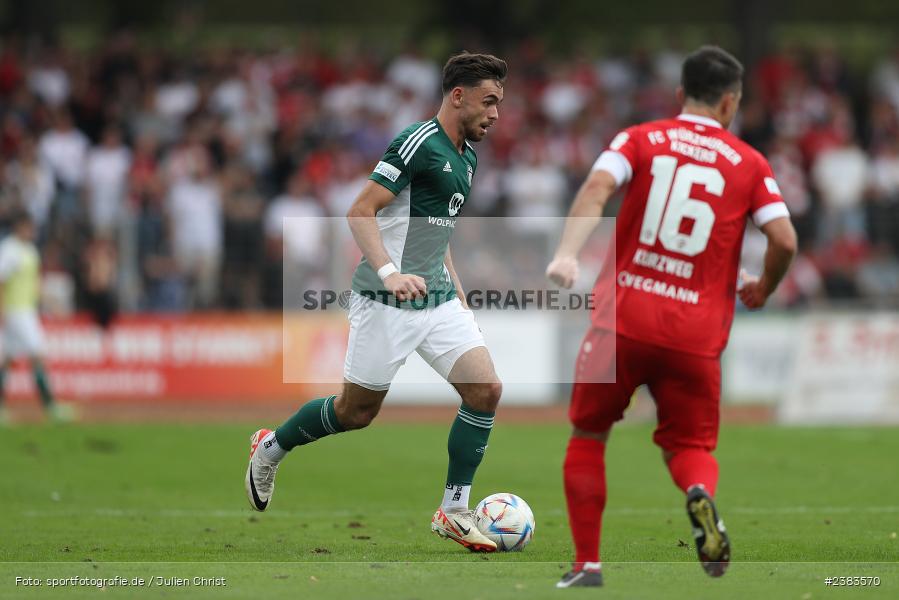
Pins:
x: 20, y: 273
x: 431, y: 180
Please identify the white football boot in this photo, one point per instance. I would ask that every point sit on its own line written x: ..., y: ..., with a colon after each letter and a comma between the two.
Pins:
x: 260, y: 480
x: 460, y: 527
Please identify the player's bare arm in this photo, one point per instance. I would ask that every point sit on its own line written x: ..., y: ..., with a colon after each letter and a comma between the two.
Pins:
x: 448, y: 261
x: 361, y: 218
x: 582, y: 220
x: 755, y: 291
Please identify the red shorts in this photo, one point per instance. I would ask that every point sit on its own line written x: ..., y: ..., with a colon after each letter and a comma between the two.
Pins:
x: 686, y: 389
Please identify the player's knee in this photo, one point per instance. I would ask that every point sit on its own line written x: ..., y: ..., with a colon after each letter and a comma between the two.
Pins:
x: 583, y: 425
x: 354, y: 414
x: 358, y: 418
x: 485, y: 397
x: 588, y: 433
x: 493, y: 393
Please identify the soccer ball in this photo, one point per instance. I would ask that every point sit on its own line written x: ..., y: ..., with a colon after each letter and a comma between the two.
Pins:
x: 506, y: 520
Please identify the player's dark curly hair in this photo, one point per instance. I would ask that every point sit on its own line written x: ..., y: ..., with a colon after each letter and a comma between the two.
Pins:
x: 709, y: 73
x: 466, y: 69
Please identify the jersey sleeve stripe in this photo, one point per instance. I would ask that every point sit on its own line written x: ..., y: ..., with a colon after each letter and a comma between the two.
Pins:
x: 412, y: 138
x: 417, y: 144
x: 413, y: 134
x: 769, y: 212
x: 616, y: 164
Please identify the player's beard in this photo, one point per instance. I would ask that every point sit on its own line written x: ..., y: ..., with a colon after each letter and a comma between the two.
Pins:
x: 474, y: 129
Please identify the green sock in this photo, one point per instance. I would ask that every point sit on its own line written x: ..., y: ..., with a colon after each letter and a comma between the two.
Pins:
x: 43, y: 385
x: 467, y: 444
x: 2, y: 384
x: 315, y: 420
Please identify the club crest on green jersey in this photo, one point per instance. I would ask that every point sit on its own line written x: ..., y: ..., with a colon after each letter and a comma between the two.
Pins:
x: 455, y: 204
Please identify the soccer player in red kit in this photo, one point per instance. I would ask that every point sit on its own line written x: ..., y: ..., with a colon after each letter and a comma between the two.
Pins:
x: 691, y: 187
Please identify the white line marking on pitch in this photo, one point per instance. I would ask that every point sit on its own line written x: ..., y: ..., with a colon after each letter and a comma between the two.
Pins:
x: 232, y: 513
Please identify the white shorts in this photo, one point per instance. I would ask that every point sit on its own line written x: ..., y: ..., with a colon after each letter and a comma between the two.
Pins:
x: 382, y: 337
x: 22, y: 335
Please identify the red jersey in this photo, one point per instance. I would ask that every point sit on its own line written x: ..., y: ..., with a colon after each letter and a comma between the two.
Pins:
x: 692, y: 187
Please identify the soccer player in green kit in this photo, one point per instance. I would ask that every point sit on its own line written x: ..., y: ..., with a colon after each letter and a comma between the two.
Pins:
x: 20, y: 280
x: 407, y: 297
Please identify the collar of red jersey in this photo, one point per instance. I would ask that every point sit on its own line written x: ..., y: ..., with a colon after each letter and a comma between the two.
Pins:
x: 699, y: 119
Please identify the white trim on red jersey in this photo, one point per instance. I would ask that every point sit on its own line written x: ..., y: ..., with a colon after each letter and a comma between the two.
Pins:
x: 769, y: 212
x: 699, y: 119
x: 616, y: 164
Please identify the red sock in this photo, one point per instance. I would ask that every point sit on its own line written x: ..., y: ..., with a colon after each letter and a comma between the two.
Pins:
x: 693, y: 466
x: 585, y: 491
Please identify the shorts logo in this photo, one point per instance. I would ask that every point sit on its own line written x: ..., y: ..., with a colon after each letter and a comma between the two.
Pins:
x: 387, y: 170
x: 455, y: 204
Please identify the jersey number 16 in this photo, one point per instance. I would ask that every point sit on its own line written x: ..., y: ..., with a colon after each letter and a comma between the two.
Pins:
x: 673, y: 184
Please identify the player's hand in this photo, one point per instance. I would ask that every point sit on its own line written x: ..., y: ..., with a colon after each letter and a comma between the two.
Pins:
x: 752, y: 291
x: 405, y: 287
x: 563, y: 271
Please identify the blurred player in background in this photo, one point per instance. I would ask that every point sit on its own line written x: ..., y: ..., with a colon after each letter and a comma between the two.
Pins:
x: 407, y: 297
x: 692, y: 186
x: 20, y: 273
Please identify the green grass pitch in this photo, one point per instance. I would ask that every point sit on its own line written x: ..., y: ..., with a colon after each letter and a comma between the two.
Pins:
x: 350, y: 516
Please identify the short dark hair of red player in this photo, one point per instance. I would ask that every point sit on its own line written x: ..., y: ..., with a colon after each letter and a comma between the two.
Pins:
x: 709, y: 73
x: 468, y: 70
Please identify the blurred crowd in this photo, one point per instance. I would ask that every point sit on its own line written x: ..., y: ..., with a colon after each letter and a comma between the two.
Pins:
x: 163, y: 182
